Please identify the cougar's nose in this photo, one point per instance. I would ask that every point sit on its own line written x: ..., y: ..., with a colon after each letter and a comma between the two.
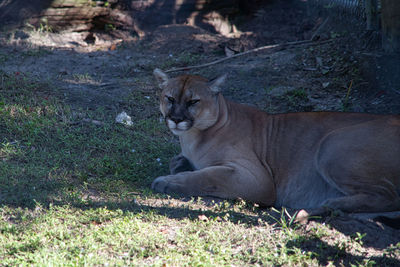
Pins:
x: 177, y: 114
x: 176, y: 118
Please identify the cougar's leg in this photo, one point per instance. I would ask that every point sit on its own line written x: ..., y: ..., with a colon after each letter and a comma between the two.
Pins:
x: 219, y: 181
x: 363, y: 202
x: 363, y: 162
x: 180, y: 164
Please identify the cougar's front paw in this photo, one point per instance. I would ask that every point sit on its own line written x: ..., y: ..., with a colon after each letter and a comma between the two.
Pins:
x: 180, y: 164
x: 159, y: 184
x: 166, y: 184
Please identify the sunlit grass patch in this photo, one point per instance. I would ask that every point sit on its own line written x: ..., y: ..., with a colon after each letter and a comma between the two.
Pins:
x: 97, y: 236
x: 8, y: 150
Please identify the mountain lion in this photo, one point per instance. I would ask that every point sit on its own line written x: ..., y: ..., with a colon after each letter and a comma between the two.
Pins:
x: 314, y: 161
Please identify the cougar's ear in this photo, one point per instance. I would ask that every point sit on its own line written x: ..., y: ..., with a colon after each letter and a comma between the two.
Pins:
x: 215, y: 84
x: 161, y: 77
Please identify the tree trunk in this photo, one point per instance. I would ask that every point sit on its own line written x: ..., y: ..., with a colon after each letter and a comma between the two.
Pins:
x: 83, y: 15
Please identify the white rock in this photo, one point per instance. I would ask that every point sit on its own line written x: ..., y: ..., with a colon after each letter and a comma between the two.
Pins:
x: 124, y: 119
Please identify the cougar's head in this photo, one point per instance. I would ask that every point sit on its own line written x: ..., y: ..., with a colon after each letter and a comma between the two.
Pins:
x: 188, y: 101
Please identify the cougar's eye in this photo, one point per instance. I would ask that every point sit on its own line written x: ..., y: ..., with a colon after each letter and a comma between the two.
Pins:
x: 192, y: 102
x: 170, y: 99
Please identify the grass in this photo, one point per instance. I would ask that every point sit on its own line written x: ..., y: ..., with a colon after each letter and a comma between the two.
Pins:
x: 64, y: 234
x: 45, y: 149
x: 180, y: 60
x: 297, y: 100
x: 76, y: 193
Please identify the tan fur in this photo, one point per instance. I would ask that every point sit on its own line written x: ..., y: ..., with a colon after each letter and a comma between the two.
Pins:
x: 346, y: 161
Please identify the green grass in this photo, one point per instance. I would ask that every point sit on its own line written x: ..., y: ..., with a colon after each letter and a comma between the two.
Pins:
x: 180, y: 60
x: 66, y: 235
x: 48, y: 154
x: 76, y: 193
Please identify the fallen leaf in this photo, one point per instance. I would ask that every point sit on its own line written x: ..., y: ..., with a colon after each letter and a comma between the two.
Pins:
x: 113, y: 47
x: 203, y: 218
x: 302, y: 217
x: 319, y: 61
x: 324, y: 70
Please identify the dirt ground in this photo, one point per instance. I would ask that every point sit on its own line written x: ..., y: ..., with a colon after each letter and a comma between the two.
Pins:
x: 342, y: 74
